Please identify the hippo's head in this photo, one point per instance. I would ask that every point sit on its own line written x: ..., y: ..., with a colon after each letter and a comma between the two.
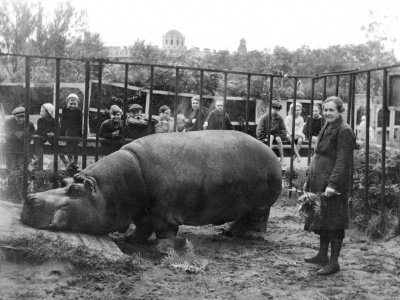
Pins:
x: 76, y: 206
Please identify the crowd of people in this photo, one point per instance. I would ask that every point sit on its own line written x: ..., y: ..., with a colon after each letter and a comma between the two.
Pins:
x: 137, y: 126
x: 281, y: 130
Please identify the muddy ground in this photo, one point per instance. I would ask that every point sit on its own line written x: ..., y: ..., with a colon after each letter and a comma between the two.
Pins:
x: 234, y: 269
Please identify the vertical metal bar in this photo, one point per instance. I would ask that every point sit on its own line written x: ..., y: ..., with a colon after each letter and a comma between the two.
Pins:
x: 353, y: 101
x: 337, y: 85
x: 349, y: 100
x: 224, y: 107
x: 310, y: 124
x: 201, y: 100
x: 176, y: 97
x: 56, y: 122
x: 151, y: 100
x: 27, y: 113
x: 125, y: 108
x: 86, y: 114
x: 384, y: 109
x: 246, y: 127
x: 99, y: 93
x: 368, y: 115
x: 324, y: 89
x: 293, y: 129
x: 271, y: 94
x: 351, y: 111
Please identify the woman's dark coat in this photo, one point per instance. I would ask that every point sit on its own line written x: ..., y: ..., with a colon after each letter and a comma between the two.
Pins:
x: 330, y: 166
x: 199, y: 117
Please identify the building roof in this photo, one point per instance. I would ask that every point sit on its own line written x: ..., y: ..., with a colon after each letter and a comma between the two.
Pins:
x: 174, y: 32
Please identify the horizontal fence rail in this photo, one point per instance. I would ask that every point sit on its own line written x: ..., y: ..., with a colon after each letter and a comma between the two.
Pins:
x: 88, y: 142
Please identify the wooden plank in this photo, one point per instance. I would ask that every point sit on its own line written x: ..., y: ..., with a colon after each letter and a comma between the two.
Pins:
x: 12, y: 227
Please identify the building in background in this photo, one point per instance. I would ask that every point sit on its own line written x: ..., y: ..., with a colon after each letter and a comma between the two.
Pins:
x: 173, y: 40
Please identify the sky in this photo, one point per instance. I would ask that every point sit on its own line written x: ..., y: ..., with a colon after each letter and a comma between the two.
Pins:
x: 220, y: 24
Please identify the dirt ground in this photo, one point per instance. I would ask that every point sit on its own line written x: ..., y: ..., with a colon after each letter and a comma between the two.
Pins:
x: 236, y: 269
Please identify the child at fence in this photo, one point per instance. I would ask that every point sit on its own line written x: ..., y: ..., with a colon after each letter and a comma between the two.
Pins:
x: 277, y: 130
x: 14, y: 129
x: 197, y: 117
x: 71, y: 126
x: 45, y: 126
x: 180, y: 123
x: 298, y: 134
x: 111, y: 129
x: 317, y: 123
x: 163, y: 124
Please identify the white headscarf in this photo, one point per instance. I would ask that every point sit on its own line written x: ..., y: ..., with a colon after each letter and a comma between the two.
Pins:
x: 50, y: 109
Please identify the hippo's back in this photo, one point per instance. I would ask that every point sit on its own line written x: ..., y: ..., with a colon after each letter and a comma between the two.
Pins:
x: 208, y: 176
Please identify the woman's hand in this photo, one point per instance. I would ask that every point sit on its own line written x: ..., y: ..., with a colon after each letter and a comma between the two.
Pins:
x: 329, y: 192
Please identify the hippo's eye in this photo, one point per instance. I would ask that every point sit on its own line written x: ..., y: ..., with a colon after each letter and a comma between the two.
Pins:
x: 74, y: 190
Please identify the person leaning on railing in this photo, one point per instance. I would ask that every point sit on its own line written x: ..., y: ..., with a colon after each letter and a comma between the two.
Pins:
x: 71, y: 125
x: 277, y: 131
x: 111, y: 129
x: 14, y: 129
x: 45, y: 126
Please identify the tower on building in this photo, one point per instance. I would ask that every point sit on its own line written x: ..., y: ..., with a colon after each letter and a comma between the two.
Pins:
x: 242, y: 50
x: 173, y: 40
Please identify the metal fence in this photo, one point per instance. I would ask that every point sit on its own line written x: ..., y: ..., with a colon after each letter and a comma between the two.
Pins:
x: 351, y: 75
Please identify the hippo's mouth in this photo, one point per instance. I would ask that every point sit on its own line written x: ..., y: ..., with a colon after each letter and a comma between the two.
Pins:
x: 40, y: 213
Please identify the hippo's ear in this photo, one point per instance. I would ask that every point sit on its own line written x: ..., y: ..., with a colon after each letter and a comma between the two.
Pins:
x: 90, y: 184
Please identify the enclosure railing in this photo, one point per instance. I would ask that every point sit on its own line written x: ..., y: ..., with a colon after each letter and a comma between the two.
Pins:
x: 314, y: 78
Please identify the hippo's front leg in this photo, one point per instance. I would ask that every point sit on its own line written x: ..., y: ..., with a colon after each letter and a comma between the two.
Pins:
x: 142, y: 231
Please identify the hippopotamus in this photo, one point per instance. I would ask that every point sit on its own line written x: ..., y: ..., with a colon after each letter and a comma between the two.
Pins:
x: 162, y: 181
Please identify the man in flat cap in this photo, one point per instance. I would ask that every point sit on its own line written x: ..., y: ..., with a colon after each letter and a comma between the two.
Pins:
x: 14, y: 128
x: 137, y: 124
x: 277, y: 131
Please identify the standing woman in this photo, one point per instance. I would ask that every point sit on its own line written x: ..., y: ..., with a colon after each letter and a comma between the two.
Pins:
x: 329, y: 174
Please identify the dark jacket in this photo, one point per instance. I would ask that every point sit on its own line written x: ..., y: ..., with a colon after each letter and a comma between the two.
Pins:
x: 45, y: 126
x: 108, y: 127
x: 215, y: 120
x: 330, y: 166
x: 138, y: 127
x: 198, y: 117
x: 12, y: 129
x: 316, y: 126
x: 71, y: 122
x: 277, y: 127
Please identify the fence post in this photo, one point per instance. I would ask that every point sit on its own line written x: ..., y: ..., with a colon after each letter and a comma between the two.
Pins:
x: 384, y: 109
x: 86, y: 114
x: 27, y: 133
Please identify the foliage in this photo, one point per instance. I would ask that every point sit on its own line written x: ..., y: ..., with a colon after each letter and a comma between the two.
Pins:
x: 185, y: 261
x: 392, y: 174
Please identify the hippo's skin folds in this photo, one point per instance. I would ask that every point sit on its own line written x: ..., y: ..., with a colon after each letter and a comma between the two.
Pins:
x: 165, y: 180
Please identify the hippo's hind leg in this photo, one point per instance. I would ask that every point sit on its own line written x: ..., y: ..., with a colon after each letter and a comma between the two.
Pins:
x: 142, y: 231
x: 253, y: 225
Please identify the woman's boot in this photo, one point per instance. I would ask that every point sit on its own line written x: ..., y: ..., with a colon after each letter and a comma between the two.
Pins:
x: 322, y: 256
x: 333, y: 264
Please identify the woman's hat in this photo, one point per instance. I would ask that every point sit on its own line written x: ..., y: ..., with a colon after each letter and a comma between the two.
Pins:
x: 50, y: 108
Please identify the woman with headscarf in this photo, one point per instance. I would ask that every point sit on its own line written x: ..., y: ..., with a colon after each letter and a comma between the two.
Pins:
x: 329, y: 176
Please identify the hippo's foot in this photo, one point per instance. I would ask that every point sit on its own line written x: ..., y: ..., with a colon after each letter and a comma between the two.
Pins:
x: 133, y: 235
x: 248, y: 227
